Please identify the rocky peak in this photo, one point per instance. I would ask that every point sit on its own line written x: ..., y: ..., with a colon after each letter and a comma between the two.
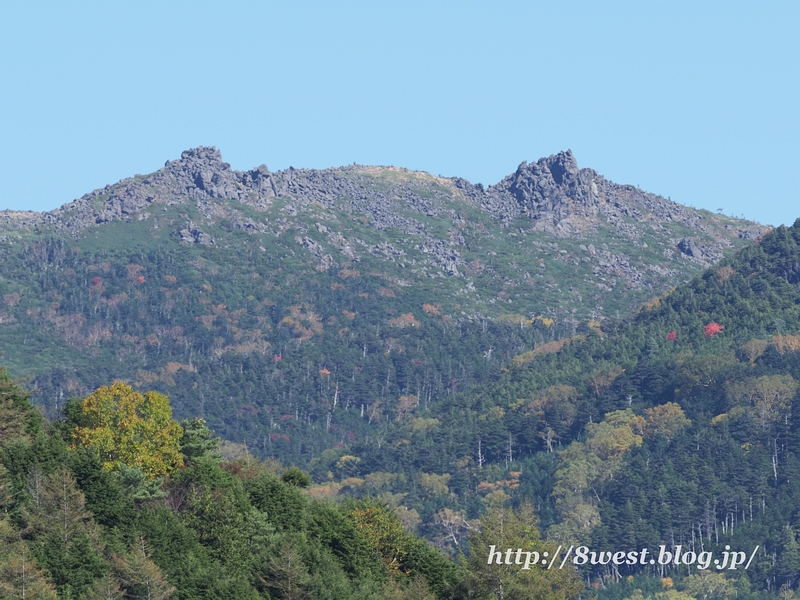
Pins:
x: 555, y: 195
x: 561, y: 166
x: 204, y: 154
x: 202, y: 173
x: 552, y: 189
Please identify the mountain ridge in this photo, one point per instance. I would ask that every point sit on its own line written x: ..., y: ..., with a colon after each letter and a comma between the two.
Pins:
x: 421, y: 285
x: 553, y: 187
x: 549, y: 199
x: 355, y: 335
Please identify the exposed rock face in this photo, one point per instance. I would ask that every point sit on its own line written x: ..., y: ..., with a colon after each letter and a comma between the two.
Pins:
x: 556, y: 195
x: 690, y: 247
x: 562, y: 199
x: 192, y: 234
x: 751, y: 233
x: 326, y: 261
x: 553, y: 188
x: 687, y: 246
x: 446, y: 257
x: 125, y: 202
x: 200, y: 173
x: 550, y: 199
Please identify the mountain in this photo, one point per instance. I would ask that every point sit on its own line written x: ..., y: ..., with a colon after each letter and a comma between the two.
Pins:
x: 293, y: 309
x: 560, y: 239
x: 374, y: 326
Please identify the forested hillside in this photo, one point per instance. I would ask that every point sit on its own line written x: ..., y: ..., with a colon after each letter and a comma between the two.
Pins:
x: 117, y: 500
x: 300, y: 310
x: 678, y: 427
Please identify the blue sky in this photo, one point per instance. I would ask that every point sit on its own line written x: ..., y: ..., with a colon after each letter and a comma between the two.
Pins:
x: 694, y: 101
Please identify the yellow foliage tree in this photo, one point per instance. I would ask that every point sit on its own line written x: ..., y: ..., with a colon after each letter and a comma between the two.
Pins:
x: 753, y: 349
x: 405, y: 405
x: 556, y: 406
x: 665, y: 420
x: 612, y: 437
x: 383, y: 532
x: 545, y: 348
x: 770, y: 395
x: 126, y: 427
x: 434, y: 485
x: 583, y: 466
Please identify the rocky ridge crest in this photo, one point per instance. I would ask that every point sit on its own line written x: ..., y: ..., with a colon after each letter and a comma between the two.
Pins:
x: 539, y: 205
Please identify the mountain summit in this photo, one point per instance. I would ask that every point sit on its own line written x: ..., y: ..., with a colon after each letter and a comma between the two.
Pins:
x: 554, y: 194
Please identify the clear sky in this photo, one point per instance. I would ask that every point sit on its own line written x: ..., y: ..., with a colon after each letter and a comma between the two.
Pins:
x: 697, y: 101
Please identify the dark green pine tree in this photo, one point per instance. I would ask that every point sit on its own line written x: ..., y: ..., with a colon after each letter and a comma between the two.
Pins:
x: 787, y: 569
x: 198, y: 441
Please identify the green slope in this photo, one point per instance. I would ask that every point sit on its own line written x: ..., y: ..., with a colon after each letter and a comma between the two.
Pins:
x: 679, y: 424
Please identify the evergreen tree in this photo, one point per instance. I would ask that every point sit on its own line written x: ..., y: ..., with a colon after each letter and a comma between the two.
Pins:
x: 63, y: 532
x: 788, y: 568
x: 140, y: 576
x: 20, y: 575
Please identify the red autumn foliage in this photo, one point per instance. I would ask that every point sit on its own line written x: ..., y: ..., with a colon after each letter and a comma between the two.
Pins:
x: 713, y: 329
x: 672, y: 336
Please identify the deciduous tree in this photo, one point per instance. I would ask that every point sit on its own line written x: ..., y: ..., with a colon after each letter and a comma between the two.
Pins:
x: 20, y: 576
x: 384, y: 533
x: 126, y: 427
